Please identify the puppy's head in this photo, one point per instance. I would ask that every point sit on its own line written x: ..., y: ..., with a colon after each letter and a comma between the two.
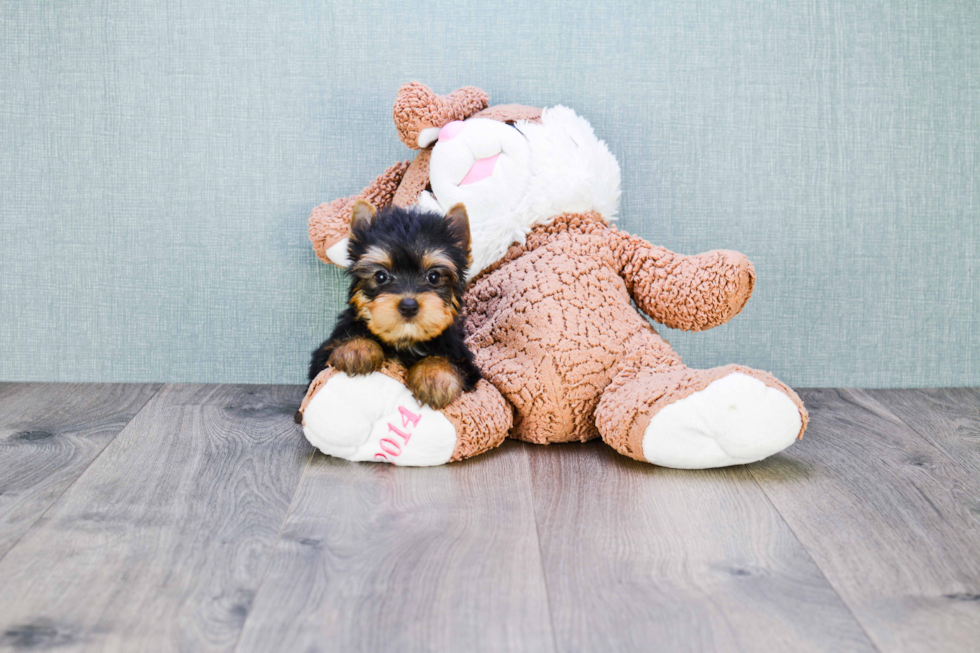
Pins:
x: 408, y: 269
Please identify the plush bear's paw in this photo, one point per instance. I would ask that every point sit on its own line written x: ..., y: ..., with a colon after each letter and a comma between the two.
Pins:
x: 736, y: 419
x: 375, y: 417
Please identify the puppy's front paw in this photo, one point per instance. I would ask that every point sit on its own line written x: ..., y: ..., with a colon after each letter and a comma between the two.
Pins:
x: 357, y: 356
x: 435, y: 382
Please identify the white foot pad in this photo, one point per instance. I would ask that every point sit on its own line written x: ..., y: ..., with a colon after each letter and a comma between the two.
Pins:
x: 735, y: 420
x: 376, y: 418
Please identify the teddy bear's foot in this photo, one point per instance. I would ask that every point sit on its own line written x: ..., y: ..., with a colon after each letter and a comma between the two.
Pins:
x: 696, y: 419
x: 376, y: 418
x: 736, y: 419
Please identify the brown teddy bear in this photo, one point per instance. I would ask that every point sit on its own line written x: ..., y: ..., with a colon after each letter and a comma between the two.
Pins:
x: 564, y: 354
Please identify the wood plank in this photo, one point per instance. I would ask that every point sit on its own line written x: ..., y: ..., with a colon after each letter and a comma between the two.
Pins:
x: 49, y: 434
x: 380, y: 558
x: 163, y: 541
x: 641, y: 558
x: 893, y: 522
x: 947, y: 417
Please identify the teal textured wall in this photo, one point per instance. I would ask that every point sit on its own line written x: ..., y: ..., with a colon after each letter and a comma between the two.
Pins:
x: 158, y: 162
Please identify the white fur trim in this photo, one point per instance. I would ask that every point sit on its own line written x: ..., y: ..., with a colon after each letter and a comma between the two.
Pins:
x: 338, y: 253
x: 427, y: 202
x: 428, y: 136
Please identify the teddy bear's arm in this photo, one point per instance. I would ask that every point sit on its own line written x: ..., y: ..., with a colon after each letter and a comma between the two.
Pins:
x: 330, y: 222
x: 692, y: 293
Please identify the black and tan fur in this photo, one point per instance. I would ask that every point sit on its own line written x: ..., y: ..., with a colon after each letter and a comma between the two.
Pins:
x: 408, y: 273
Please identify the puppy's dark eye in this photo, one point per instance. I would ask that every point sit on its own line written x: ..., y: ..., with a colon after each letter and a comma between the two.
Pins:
x: 381, y: 277
x: 433, y: 278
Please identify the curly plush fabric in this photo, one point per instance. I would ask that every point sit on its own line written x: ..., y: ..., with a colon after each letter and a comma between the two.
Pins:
x: 484, y: 418
x: 330, y: 222
x: 418, y: 108
x: 415, y: 180
x: 692, y: 293
x: 509, y: 113
x: 552, y: 327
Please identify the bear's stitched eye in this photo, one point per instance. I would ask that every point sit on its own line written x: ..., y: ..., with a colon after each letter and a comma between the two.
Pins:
x: 433, y: 278
x: 381, y: 277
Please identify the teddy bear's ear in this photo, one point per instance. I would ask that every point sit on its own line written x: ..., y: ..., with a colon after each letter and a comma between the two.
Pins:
x: 460, y: 224
x: 418, y: 109
x: 361, y: 216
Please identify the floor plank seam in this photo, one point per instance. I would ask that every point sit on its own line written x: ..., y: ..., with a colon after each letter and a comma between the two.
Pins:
x: 275, y: 546
x: 537, y: 538
x: 922, y: 436
x: 929, y: 442
x: 816, y: 564
x: 82, y: 473
x: 898, y: 421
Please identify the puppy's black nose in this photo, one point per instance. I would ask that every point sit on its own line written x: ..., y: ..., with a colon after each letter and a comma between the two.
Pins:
x: 408, y: 307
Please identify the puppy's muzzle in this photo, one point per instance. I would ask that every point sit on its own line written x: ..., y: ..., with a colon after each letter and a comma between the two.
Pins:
x: 408, y: 307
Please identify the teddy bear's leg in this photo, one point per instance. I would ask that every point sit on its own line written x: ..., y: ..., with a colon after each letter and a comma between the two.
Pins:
x: 375, y: 417
x: 674, y: 416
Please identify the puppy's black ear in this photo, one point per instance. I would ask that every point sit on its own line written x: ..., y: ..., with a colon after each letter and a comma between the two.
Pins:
x: 459, y: 222
x: 361, y: 215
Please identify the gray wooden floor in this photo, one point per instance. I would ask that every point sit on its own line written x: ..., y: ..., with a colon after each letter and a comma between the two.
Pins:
x: 197, y: 518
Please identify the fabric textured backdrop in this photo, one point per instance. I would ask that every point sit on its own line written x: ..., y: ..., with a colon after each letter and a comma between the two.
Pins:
x: 158, y: 162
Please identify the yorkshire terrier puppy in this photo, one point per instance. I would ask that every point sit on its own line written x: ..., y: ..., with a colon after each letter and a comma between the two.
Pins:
x: 408, y: 274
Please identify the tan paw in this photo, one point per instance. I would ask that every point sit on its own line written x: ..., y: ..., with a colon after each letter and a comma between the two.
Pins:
x: 435, y: 382
x: 357, y: 356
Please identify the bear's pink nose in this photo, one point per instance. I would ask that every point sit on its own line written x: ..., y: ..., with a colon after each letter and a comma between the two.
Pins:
x: 451, y: 130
